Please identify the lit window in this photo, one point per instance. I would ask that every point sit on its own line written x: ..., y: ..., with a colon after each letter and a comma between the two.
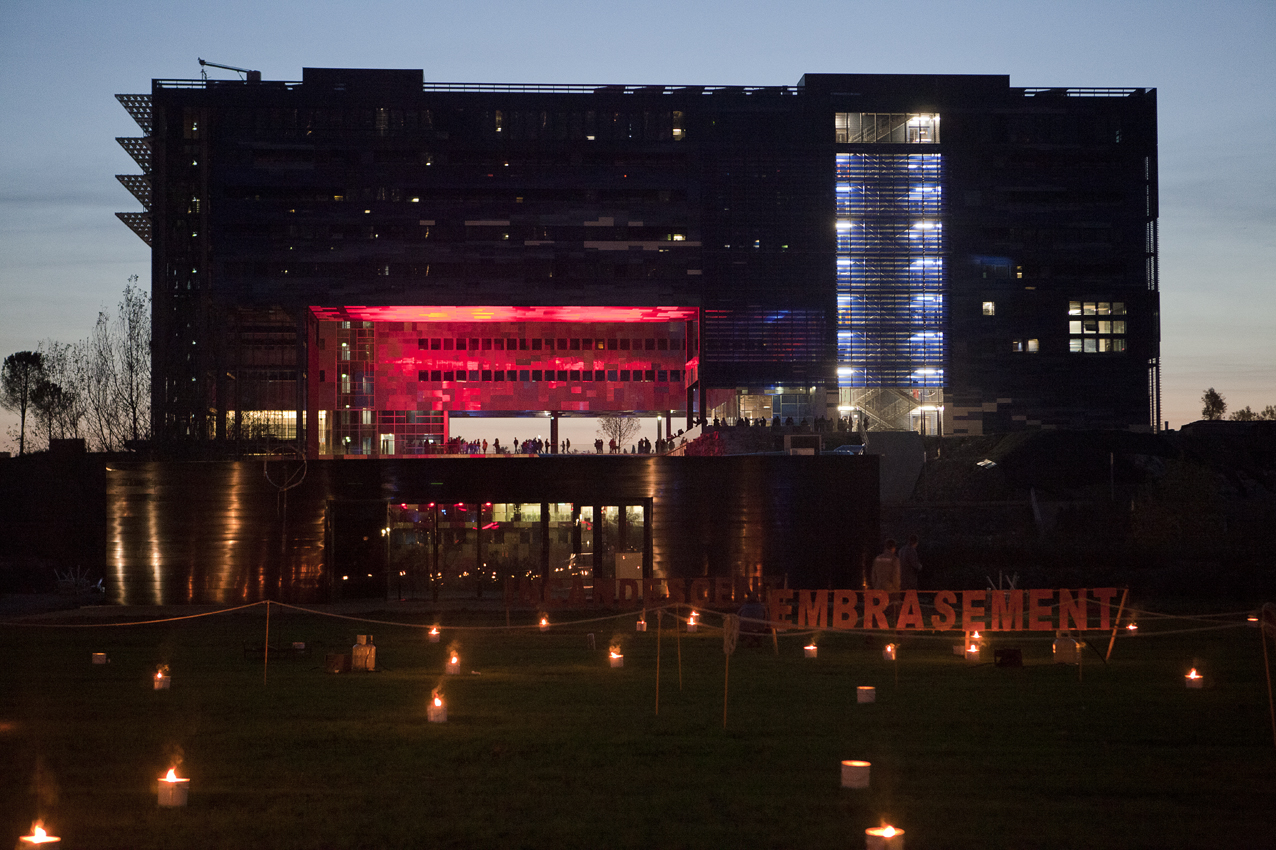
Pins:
x: 1074, y: 344
x: 1091, y: 346
x: 1074, y: 326
x: 1074, y: 308
x: 1105, y: 309
x: 1118, y: 326
x: 1105, y: 326
x: 1105, y: 344
x: 1016, y: 345
x: 1033, y: 346
x: 990, y: 308
x: 1090, y: 325
x: 1118, y: 344
x: 1118, y: 308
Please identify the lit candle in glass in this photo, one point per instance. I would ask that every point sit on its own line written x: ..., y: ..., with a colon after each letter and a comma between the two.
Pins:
x: 453, y: 664
x: 691, y: 622
x: 37, y: 836
x: 641, y: 625
x: 173, y: 790
x: 810, y: 650
x: 1193, y: 679
x: 617, y: 660
x: 436, y: 711
x: 888, y: 652
x: 866, y: 693
x: 434, y: 635
x: 161, y: 680
x: 855, y: 774
x: 884, y: 838
x: 544, y: 624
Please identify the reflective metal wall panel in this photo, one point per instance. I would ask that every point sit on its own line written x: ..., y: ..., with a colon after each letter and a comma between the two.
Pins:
x: 223, y: 533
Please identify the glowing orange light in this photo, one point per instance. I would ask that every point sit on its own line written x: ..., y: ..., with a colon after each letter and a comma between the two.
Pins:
x: 39, y: 836
x: 455, y: 660
x: 974, y: 647
x: 544, y: 621
x: 975, y: 636
x: 171, y: 776
x: 1192, y: 674
x: 438, y: 702
x: 1133, y: 627
x: 434, y: 631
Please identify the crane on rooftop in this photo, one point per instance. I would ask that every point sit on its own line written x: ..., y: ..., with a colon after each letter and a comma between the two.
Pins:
x: 252, y: 76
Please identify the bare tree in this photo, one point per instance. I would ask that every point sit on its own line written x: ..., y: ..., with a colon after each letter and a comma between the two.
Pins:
x: 52, y: 405
x: 622, y: 429
x: 61, y: 411
x: 1214, y: 404
x: 21, y: 373
x: 113, y: 373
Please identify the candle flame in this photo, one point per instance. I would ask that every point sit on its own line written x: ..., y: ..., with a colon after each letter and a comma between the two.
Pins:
x: 39, y: 836
x: 171, y: 776
x: 455, y: 660
x: 1192, y: 674
x: 434, y: 631
x: 974, y: 647
x: 438, y: 702
x: 975, y: 635
x: 544, y: 621
x: 889, y: 832
x: 1133, y: 627
x: 809, y: 646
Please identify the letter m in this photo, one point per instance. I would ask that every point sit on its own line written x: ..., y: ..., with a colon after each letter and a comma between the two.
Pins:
x: 1006, y: 613
x: 813, y: 609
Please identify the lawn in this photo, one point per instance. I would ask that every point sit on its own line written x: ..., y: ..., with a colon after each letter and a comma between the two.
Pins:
x: 547, y: 746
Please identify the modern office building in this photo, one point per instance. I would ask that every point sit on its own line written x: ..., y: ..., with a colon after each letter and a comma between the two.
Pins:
x: 356, y: 260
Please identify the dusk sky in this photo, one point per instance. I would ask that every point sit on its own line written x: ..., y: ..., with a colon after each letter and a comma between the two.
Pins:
x: 64, y: 255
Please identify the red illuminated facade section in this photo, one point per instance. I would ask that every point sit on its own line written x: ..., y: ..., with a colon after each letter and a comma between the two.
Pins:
x: 386, y: 381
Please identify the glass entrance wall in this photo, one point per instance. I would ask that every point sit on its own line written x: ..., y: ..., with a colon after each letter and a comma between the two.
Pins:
x: 470, y: 547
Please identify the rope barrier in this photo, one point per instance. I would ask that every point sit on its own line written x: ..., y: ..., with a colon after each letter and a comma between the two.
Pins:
x: 1217, y: 622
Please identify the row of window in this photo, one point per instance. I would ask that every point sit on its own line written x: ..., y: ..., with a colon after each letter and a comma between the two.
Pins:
x: 912, y: 128
x: 1084, y: 308
x: 659, y: 376
x: 1096, y: 308
x: 1100, y: 345
x: 1096, y: 326
x: 560, y: 344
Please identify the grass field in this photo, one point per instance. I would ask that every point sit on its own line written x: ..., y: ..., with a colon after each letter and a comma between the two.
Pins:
x: 547, y: 747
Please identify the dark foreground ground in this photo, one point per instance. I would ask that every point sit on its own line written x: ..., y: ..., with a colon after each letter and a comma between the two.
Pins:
x: 546, y: 746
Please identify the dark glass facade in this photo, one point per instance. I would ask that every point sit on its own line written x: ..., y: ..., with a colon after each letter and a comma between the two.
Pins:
x: 944, y: 253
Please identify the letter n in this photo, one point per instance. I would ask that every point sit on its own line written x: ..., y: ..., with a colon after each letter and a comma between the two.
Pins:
x: 1070, y: 609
